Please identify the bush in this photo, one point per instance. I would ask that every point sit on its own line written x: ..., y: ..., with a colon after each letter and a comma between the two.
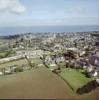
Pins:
x: 88, y: 75
x: 88, y: 87
x: 33, y: 65
x: 18, y: 70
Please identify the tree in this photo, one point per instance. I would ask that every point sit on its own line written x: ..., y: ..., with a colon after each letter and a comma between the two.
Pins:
x: 69, y: 55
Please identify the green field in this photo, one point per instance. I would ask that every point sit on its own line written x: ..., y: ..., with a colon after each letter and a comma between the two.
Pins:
x: 16, y: 62
x: 36, y: 60
x: 6, y: 53
x: 2, y: 54
x: 74, y: 77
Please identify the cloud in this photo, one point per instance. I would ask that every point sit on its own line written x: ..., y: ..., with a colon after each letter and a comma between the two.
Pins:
x: 12, y: 6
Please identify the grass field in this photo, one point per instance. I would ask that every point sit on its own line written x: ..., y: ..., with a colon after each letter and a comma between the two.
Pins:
x: 6, y: 53
x: 11, y: 63
x: 75, y: 78
x: 2, y: 54
x: 36, y: 60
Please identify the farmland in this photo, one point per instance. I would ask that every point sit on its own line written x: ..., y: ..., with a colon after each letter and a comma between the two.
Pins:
x: 42, y: 83
x: 38, y: 83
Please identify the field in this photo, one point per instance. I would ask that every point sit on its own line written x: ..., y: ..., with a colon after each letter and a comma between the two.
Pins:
x: 75, y: 78
x: 11, y: 63
x: 36, y: 61
x: 2, y: 54
x: 42, y: 83
x: 37, y: 83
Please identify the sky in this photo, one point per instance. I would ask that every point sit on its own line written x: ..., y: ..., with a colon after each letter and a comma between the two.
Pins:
x: 15, y: 13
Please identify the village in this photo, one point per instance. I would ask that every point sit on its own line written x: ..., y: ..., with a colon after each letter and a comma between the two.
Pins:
x: 62, y: 53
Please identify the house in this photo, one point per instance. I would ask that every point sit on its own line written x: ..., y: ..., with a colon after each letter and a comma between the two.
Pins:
x: 82, y: 53
x: 8, y: 71
x: 39, y: 65
x: 53, y: 67
x: 97, y: 42
x: 97, y: 80
x: 97, y: 53
x: 94, y: 60
x: 13, y: 68
x: 1, y: 73
x: 30, y: 53
x: 73, y: 49
x: 60, y: 59
x: 89, y: 69
x: 85, y: 67
x: 48, y: 59
x: 83, y: 62
x: 95, y: 73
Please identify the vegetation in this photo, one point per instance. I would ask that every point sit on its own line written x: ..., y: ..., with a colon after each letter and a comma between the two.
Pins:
x: 92, y: 85
x: 6, y: 53
x: 75, y: 78
x: 16, y: 62
x: 38, y: 83
x: 18, y: 69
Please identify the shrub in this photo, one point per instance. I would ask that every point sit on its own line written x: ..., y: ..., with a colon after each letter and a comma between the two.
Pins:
x: 18, y: 69
x: 33, y: 65
x: 88, y: 87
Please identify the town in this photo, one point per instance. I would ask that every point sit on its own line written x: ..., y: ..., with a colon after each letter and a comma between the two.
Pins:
x: 72, y: 56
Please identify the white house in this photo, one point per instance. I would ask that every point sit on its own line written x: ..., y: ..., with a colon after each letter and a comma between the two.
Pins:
x: 53, y: 67
x: 97, y: 80
x: 95, y: 74
x: 90, y: 69
x: 1, y: 73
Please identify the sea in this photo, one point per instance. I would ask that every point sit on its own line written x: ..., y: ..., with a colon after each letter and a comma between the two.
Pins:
x: 33, y: 29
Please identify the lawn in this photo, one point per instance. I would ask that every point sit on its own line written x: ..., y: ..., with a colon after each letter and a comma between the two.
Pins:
x: 75, y: 78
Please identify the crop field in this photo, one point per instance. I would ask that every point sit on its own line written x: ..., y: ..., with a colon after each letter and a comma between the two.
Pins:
x: 37, y: 83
